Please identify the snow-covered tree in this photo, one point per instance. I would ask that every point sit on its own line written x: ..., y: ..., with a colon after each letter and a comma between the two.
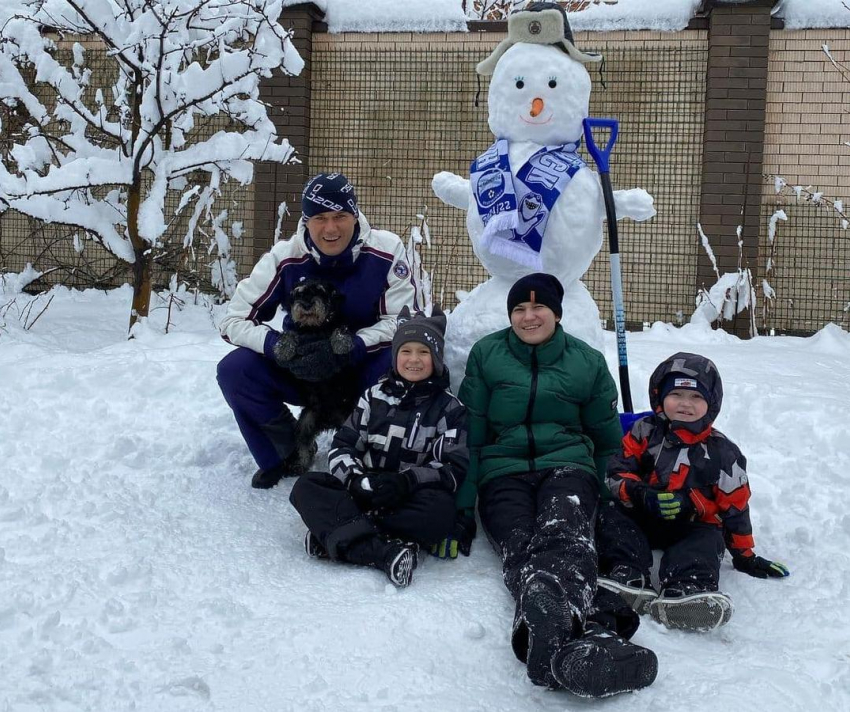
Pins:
x: 104, y: 160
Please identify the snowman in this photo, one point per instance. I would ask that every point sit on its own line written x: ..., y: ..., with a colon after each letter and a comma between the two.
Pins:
x: 532, y: 203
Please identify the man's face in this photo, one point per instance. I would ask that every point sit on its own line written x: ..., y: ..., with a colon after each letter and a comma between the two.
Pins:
x: 533, y: 322
x: 332, y: 231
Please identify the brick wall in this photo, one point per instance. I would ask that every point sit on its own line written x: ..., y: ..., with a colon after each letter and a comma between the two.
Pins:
x: 807, y: 127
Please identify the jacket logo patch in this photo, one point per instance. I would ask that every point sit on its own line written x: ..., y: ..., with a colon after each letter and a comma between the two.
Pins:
x: 400, y: 270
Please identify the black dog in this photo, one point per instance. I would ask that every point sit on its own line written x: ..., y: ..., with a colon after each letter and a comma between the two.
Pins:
x: 316, y: 352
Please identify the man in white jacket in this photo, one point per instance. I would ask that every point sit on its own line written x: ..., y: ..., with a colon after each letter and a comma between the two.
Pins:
x: 333, y: 243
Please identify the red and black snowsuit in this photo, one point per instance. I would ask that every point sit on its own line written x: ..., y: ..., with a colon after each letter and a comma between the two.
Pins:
x: 678, y: 456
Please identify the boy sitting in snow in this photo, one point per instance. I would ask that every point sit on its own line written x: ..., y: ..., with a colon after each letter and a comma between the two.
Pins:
x: 394, y: 465
x: 681, y: 486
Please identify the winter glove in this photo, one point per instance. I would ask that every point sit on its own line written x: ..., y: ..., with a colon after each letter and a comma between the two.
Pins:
x: 760, y: 567
x: 314, y: 361
x: 460, y: 539
x: 284, y: 349
x: 360, y: 488
x: 668, y: 506
x: 390, y: 488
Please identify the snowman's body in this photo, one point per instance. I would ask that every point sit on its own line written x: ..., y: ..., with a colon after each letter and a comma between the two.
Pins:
x: 538, y: 97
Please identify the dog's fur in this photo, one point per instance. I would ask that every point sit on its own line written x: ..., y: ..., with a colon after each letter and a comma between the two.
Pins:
x: 315, y: 309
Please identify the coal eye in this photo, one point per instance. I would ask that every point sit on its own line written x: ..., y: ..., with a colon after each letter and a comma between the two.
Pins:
x: 520, y: 84
x: 552, y: 83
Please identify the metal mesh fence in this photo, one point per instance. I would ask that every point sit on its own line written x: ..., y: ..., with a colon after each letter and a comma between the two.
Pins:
x: 806, y: 127
x: 808, y: 259
x: 65, y: 255
x: 392, y: 112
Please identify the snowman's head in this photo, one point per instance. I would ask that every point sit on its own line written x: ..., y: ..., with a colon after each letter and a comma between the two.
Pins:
x: 538, y: 93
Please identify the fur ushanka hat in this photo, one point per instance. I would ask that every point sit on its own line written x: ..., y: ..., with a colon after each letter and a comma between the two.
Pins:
x: 543, y: 23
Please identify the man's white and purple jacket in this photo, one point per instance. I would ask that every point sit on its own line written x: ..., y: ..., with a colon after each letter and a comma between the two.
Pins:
x: 372, y: 273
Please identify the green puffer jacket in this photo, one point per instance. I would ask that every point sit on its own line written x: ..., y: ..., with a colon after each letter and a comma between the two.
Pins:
x: 536, y: 407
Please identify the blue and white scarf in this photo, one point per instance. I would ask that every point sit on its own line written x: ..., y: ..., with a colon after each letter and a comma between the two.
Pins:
x: 515, y: 211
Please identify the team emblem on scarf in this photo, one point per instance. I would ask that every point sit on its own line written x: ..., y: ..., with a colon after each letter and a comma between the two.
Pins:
x: 515, y: 211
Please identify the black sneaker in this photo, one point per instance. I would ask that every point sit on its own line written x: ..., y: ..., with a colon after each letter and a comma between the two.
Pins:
x: 550, y: 619
x: 632, y: 586
x: 601, y: 664
x: 399, y: 563
x: 687, y: 606
x: 314, y: 548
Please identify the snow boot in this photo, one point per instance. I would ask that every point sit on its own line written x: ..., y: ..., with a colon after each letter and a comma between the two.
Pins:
x: 295, y: 465
x: 632, y: 586
x: 601, y: 664
x: 687, y: 606
x: 266, y: 479
x: 399, y: 562
x: 546, y: 618
x: 314, y: 548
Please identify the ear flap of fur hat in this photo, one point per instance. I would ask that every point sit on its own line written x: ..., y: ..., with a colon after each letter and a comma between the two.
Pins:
x: 429, y: 331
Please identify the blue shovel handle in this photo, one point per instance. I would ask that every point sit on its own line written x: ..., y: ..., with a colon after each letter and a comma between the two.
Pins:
x: 600, y: 155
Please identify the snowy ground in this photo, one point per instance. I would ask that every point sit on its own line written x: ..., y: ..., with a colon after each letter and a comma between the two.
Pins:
x: 139, y: 570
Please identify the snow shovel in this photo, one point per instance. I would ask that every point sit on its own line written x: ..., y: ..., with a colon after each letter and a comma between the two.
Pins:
x: 601, y: 157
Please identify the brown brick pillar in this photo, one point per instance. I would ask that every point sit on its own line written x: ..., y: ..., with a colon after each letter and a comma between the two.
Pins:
x: 733, y: 143
x: 289, y: 108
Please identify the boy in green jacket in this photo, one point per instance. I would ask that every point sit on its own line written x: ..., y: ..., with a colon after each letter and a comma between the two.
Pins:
x: 542, y: 423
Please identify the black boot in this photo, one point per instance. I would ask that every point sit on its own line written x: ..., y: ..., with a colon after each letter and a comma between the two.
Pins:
x: 395, y: 558
x: 600, y: 664
x: 314, y: 547
x: 548, y: 619
x: 689, y: 606
x: 295, y: 465
x: 399, y: 563
x: 266, y: 479
x: 633, y: 586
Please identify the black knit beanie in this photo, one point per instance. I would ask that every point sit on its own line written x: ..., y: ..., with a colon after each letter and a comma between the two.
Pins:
x: 538, y: 288
x: 429, y: 331
x: 682, y: 382
x: 328, y: 192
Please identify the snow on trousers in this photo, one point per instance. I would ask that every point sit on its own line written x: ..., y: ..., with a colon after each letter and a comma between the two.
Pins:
x: 692, y: 550
x: 543, y: 521
x: 348, y: 534
x: 257, y: 389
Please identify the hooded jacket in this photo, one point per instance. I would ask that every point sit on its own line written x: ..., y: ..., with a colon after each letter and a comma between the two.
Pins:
x: 372, y: 273
x: 692, y: 457
x: 536, y: 407
x: 401, y: 426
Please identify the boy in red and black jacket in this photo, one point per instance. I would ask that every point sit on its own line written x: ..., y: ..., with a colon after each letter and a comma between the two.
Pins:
x: 681, y: 486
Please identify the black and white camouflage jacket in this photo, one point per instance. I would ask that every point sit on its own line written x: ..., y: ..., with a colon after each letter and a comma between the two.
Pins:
x: 400, y: 426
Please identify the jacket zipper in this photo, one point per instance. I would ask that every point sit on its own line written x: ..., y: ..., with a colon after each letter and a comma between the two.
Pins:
x: 412, y: 437
x: 532, y: 448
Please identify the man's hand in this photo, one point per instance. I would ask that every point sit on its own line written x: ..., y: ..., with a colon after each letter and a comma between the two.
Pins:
x: 285, y: 348
x: 668, y: 506
x: 759, y: 567
x: 342, y: 342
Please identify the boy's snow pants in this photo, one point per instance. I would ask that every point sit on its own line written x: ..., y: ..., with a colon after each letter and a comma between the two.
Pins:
x: 692, y: 550
x: 330, y: 512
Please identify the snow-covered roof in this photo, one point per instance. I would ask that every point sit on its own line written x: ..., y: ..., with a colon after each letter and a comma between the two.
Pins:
x: 449, y: 16
x: 800, y: 14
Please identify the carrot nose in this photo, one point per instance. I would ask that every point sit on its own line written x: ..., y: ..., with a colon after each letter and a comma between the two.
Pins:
x: 536, y: 107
